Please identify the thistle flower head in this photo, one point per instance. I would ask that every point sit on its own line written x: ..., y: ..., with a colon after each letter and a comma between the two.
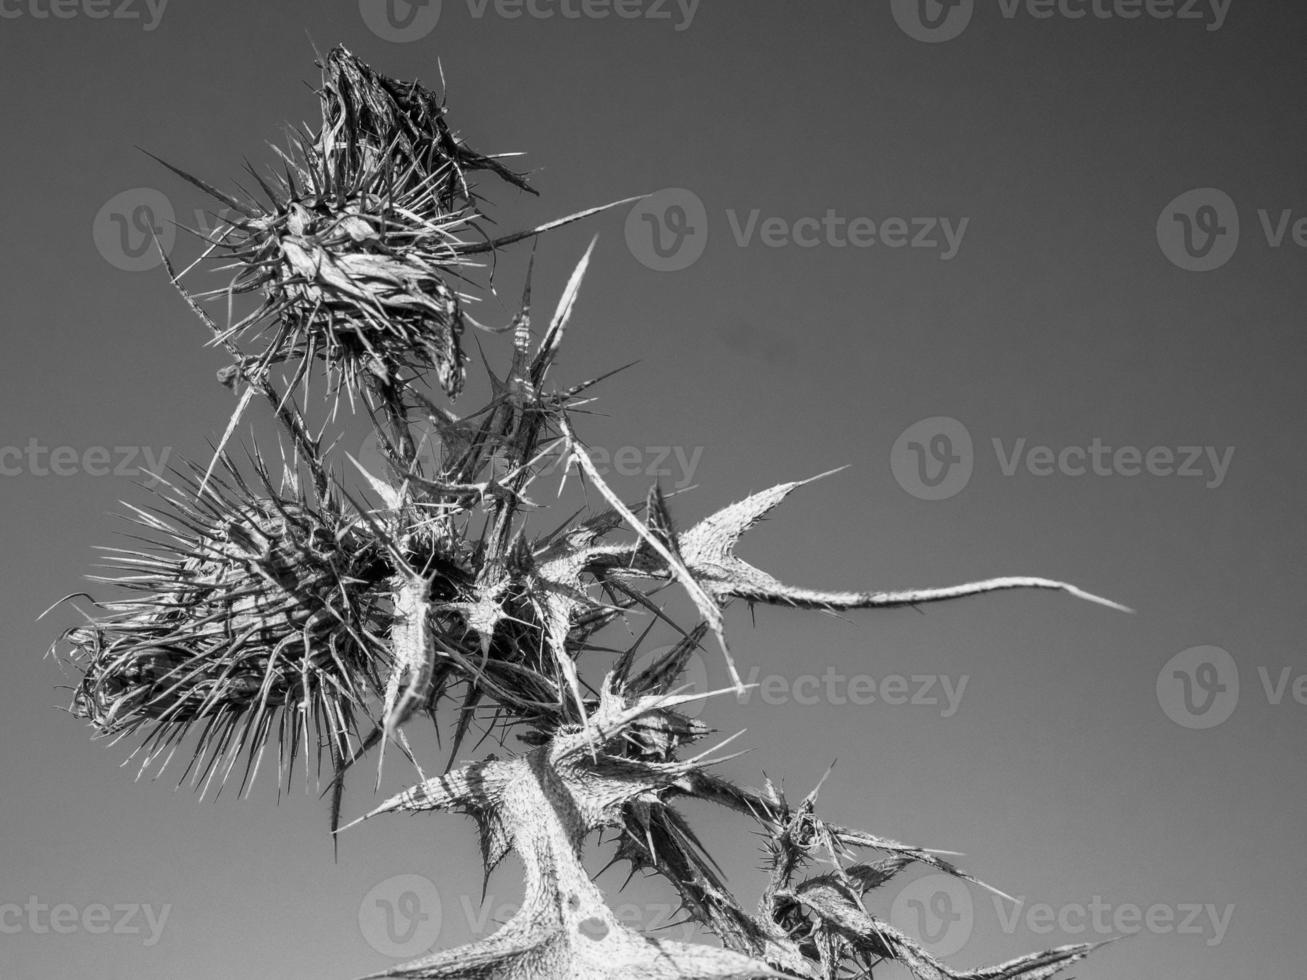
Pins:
x: 252, y: 616
x: 358, y: 247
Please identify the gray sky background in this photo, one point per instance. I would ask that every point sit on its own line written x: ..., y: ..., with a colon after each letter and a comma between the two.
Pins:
x: 1067, y: 773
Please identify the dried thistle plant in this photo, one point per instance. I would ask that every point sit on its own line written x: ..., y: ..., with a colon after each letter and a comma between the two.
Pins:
x: 277, y: 610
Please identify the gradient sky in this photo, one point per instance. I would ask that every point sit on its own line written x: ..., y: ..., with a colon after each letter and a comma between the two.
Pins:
x: 1067, y: 774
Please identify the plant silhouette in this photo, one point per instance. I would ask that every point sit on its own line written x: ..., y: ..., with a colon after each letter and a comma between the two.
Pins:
x: 274, y: 609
